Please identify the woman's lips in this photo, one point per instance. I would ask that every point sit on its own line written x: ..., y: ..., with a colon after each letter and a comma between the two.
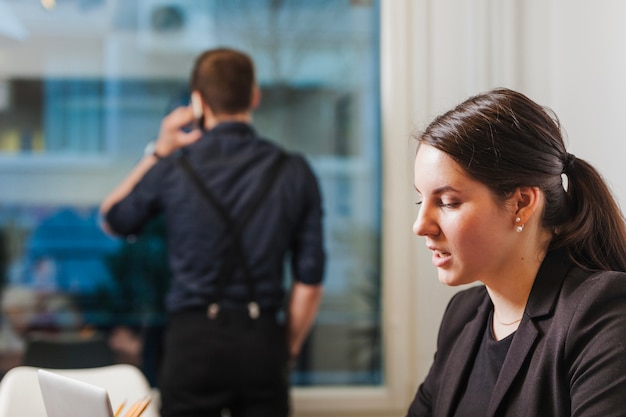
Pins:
x: 440, y: 258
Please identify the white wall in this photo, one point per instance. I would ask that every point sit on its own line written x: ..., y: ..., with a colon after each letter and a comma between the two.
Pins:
x: 588, y: 70
x: 569, y: 55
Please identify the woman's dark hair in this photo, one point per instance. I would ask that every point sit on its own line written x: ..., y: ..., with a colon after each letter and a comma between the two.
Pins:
x: 505, y: 140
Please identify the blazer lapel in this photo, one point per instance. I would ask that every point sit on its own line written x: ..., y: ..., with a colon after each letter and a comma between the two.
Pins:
x: 460, y: 361
x: 540, y: 305
x: 521, y: 346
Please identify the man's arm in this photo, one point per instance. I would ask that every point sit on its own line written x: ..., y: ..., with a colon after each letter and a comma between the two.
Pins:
x: 124, y: 188
x: 171, y: 137
x: 303, y: 306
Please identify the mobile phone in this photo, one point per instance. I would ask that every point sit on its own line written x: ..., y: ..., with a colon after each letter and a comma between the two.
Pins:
x: 198, y: 113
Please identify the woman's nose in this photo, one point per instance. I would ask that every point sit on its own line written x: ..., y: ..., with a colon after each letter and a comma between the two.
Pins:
x: 424, y: 223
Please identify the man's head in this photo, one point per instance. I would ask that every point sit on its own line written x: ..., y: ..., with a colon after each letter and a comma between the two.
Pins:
x: 225, y: 80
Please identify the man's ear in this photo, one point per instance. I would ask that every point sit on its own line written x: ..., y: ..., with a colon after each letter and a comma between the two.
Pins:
x: 526, y: 202
x: 255, y: 100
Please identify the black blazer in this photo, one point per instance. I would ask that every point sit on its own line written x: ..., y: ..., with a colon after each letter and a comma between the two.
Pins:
x: 567, y: 358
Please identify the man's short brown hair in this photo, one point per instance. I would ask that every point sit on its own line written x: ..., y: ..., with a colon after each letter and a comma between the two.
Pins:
x: 225, y: 79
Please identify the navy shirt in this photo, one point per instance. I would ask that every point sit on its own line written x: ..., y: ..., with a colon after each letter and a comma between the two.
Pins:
x: 232, y: 162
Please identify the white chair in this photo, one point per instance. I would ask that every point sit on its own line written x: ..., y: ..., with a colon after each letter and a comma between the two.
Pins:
x: 20, y: 394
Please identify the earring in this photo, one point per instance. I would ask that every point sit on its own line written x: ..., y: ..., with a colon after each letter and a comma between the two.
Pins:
x: 519, y: 227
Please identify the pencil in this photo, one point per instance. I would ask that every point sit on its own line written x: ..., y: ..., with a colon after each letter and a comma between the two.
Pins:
x: 131, y: 410
x: 142, y: 406
x: 119, y: 409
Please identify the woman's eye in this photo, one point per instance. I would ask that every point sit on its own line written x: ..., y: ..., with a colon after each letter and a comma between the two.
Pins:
x: 449, y: 205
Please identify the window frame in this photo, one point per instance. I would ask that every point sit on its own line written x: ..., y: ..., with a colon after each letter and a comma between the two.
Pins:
x: 398, y: 242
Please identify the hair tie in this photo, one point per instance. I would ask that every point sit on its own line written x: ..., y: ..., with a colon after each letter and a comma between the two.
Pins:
x: 569, y: 162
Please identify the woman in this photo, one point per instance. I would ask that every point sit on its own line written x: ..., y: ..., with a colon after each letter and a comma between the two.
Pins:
x: 503, y: 203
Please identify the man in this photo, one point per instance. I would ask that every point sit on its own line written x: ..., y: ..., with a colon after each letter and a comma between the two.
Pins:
x: 236, y: 206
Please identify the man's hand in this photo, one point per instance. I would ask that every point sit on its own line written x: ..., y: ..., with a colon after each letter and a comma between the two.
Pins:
x: 172, y: 136
x: 303, y: 306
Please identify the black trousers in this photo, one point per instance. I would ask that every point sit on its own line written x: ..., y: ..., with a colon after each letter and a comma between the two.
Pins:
x: 232, y: 362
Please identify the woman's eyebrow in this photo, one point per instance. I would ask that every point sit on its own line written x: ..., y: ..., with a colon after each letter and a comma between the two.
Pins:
x: 440, y: 190
x: 444, y: 189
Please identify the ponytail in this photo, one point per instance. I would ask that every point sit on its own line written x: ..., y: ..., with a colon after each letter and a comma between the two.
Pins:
x: 595, y: 230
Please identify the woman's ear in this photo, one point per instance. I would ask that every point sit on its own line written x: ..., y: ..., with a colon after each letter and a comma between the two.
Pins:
x: 527, y: 201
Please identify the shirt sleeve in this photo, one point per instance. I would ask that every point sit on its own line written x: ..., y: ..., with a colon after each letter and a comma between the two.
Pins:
x: 128, y: 216
x: 308, y: 256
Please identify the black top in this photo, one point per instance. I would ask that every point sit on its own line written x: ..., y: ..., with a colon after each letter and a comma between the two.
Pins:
x: 232, y: 162
x: 482, y: 379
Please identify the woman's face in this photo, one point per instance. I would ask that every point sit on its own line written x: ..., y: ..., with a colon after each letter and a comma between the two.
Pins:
x: 471, y: 235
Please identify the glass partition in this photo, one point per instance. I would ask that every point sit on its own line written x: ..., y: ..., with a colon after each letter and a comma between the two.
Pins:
x: 83, y: 86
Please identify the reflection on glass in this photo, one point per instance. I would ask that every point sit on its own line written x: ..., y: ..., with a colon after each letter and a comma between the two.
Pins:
x: 94, y: 77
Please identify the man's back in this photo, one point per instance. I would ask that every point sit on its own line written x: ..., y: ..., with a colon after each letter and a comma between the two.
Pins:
x: 232, y: 162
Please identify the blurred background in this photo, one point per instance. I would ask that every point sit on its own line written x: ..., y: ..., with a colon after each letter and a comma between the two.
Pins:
x: 84, y: 84
x: 83, y: 87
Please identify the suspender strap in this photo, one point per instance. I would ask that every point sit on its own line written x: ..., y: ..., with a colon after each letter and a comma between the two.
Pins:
x: 234, y: 255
